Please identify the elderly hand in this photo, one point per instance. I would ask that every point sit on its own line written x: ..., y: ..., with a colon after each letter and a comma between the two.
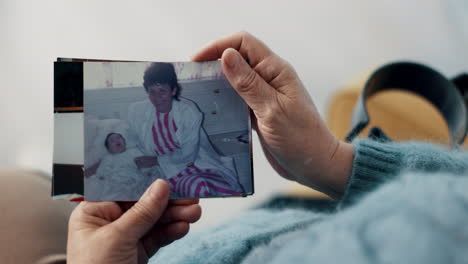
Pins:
x: 104, y: 232
x: 294, y: 138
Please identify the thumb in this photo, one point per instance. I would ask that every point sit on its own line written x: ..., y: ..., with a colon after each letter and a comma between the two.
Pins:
x: 248, y: 83
x: 142, y: 216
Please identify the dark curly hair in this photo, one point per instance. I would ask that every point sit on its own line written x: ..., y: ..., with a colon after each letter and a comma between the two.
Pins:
x: 163, y: 73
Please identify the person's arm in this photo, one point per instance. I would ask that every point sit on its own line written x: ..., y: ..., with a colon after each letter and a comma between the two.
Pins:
x: 135, y: 111
x: 189, y: 138
x: 294, y: 138
x: 376, y: 163
x: 188, y: 135
x: 144, y: 162
x: 90, y: 171
x: 108, y: 232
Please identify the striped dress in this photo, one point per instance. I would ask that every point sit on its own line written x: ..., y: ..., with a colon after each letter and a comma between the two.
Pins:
x: 193, y: 181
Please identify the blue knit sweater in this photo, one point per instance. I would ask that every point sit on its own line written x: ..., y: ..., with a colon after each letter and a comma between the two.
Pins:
x: 405, y: 202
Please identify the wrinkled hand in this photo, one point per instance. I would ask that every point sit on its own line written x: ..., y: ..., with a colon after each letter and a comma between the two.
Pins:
x: 294, y: 138
x: 106, y: 232
x: 146, y: 162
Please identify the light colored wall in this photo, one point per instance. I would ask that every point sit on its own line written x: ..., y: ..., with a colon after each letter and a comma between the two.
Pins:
x: 223, y: 109
x: 130, y: 74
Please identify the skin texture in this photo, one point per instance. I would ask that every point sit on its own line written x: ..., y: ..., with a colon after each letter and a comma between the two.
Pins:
x: 108, y: 232
x: 294, y: 138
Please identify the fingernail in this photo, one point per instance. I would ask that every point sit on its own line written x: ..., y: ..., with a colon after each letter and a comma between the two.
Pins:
x: 155, y: 189
x: 232, y: 60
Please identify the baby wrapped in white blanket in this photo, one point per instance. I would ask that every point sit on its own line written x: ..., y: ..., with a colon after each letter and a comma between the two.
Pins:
x: 118, y: 176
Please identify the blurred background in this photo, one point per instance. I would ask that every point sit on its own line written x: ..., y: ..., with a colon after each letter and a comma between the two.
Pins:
x: 328, y: 42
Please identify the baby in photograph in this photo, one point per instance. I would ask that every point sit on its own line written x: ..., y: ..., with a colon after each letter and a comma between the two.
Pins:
x: 120, y: 176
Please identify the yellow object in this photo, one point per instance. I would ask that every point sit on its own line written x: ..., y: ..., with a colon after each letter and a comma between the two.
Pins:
x: 401, y: 115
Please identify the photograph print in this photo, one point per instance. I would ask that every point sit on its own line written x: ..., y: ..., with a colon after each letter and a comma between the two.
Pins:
x: 181, y: 122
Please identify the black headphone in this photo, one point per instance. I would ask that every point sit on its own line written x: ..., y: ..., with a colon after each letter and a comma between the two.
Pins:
x: 450, y: 98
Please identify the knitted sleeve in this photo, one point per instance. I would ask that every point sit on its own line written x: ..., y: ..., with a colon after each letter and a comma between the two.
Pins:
x: 378, y: 162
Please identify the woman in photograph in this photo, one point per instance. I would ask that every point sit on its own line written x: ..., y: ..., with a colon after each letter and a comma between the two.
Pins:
x: 170, y: 134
